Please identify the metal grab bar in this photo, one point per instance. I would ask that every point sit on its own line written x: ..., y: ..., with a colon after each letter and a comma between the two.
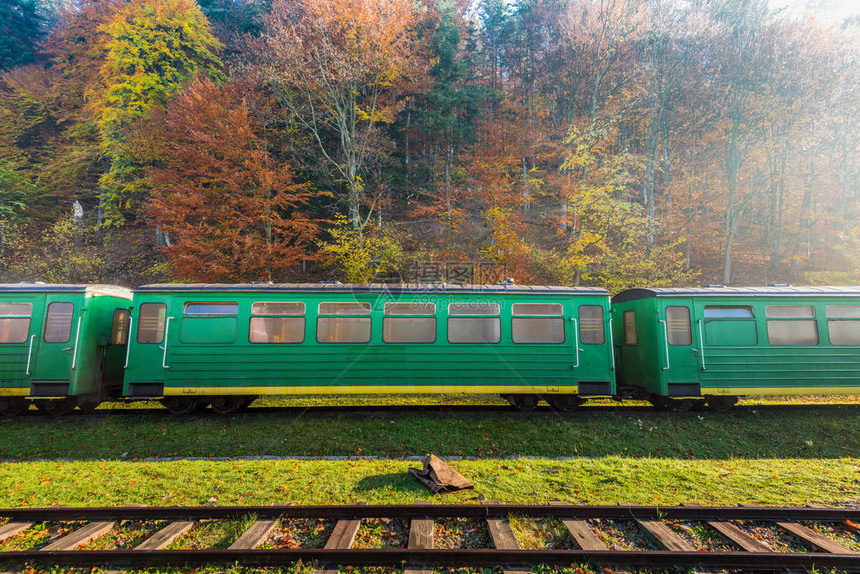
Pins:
x: 666, y: 343
x: 128, y: 341
x: 29, y: 354
x: 166, y: 339
x: 611, y: 345
x: 75, y: 351
x: 576, y: 341
x: 702, y: 344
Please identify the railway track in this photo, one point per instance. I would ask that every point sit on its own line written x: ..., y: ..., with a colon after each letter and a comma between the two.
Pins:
x: 459, y: 410
x: 740, y: 548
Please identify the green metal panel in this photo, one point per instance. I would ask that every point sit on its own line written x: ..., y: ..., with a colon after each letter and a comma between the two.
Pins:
x: 734, y: 356
x: 16, y: 357
x: 198, y: 355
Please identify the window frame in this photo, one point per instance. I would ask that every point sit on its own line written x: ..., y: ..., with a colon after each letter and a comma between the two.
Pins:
x: 549, y: 318
x: 669, y: 331
x: 48, y: 322
x: 123, y: 330
x: 328, y: 315
x: 837, y: 320
x: 602, y: 323
x: 262, y: 314
x: 813, y: 319
x: 624, y: 328
x: 495, y: 313
x: 140, y: 323
x: 17, y: 317
x: 389, y: 315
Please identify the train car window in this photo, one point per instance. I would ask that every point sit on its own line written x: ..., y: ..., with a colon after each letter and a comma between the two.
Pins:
x: 791, y: 325
x: 591, y: 325
x: 730, y: 326
x: 58, y: 323
x: 789, y: 312
x: 537, y: 323
x: 413, y: 308
x: 150, y: 329
x: 473, y: 308
x: 15, y: 322
x: 629, y: 324
x: 538, y: 309
x: 282, y: 322
x: 475, y: 322
x: 278, y: 308
x: 350, y: 323
x: 409, y: 323
x: 212, y: 308
x: 349, y: 308
x: 119, y: 327
x: 843, y: 324
x: 742, y: 312
x: 678, y: 325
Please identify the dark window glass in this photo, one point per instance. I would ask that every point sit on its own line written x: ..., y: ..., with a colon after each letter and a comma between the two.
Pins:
x: 150, y: 329
x: 58, y: 324
x: 537, y: 330
x: 473, y: 308
x: 591, y: 325
x: 791, y: 325
x: 630, y: 328
x: 119, y: 329
x: 277, y: 308
x: 16, y: 309
x: 678, y: 325
x: 409, y: 329
x: 474, y: 330
x: 212, y: 308
x: 277, y: 329
x: 14, y: 330
x: 343, y: 329
x: 843, y: 325
x: 728, y: 312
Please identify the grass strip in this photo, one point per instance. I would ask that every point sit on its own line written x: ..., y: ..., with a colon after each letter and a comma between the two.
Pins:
x: 610, y: 480
x: 796, y: 434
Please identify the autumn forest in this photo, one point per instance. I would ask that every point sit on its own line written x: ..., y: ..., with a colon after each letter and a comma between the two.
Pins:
x: 615, y: 143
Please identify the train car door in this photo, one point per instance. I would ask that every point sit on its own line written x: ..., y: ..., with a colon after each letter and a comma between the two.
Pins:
x: 680, y: 353
x: 56, y: 357
x: 146, y: 354
x: 20, y: 326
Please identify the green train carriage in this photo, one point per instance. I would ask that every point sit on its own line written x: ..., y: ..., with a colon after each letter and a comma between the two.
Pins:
x: 678, y: 345
x: 224, y: 345
x: 61, y: 346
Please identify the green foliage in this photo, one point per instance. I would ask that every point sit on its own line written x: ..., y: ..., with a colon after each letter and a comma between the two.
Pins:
x: 21, y: 28
x: 153, y: 48
x: 67, y: 253
x: 363, y: 255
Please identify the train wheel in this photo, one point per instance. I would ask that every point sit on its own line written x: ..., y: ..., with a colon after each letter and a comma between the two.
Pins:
x: 227, y: 405
x: 12, y: 407
x: 522, y: 402
x: 721, y: 404
x: 56, y: 407
x: 564, y: 403
x: 179, y: 406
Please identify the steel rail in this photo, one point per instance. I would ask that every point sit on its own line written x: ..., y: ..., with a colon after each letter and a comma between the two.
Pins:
x: 353, y: 511
x: 465, y: 557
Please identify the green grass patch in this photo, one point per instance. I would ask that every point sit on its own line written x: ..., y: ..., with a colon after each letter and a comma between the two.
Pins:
x: 749, y: 433
x: 610, y: 480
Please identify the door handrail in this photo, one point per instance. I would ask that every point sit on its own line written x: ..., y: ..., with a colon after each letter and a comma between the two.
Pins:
x: 701, y: 344
x: 128, y: 341
x: 611, y: 345
x: 576, y: 340
x: 166, y: 339
x: 666, y: 344
x: 75, y: 351
x: 29, y: 354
